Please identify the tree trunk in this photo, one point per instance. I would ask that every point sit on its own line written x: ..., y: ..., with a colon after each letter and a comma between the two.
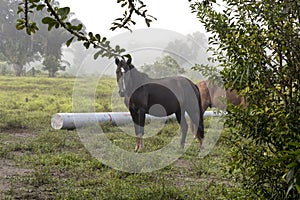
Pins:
x: 18, y: 68
x: 51, y: 73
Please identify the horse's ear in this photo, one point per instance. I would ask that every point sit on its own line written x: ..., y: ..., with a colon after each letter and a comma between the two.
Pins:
x: 129, y: 63
x: 129, y: 60
x: 117, y: 61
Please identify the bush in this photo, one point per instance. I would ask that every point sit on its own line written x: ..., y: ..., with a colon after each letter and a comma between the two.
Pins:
x: 258, y: 44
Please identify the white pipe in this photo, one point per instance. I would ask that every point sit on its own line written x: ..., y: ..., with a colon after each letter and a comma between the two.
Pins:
x: 77, y: 120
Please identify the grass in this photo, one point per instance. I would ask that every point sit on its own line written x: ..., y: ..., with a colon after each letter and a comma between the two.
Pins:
x: 37, y: 162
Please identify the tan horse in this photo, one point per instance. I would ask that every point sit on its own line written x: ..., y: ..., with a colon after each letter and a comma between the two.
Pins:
x: 219, y: 97
x: 213, y: 95
x: 205, y: 95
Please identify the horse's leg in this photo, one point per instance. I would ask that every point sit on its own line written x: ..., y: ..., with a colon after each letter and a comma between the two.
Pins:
x: 139, y: 123
x: 193, y: 128
x: 197, y: 120
x: 183, y: 126
x: 200, y: 132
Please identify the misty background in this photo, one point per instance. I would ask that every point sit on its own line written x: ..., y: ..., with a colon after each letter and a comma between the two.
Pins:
x: 146, y: 47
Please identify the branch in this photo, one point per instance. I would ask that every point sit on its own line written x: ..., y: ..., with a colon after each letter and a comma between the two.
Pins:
x: 58, y: 17
x: 127, y: 16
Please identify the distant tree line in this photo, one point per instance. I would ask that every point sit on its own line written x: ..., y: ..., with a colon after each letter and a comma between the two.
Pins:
x: 163, y: 67
x: 18, y: 49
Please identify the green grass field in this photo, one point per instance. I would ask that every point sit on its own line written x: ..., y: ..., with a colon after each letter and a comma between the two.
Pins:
x: 37, y: 162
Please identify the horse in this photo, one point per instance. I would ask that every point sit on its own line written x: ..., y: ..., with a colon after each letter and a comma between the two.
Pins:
x: 213, y: 95
x: 205, y: 95
x: 216, y: 93
x: 158, y: 97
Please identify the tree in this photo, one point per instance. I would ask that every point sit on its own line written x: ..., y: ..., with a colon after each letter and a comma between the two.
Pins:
x: 52, y: 64
x: 18, y: 49
x: 258, y: 46
x: 57, y: 17
x: 52, y: 42
x: 163, y: 67
x: 193, y: 48
x: 15, y: 46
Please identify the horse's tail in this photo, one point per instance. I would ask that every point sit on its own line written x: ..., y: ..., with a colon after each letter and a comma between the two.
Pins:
x: 197, y: 93
x: 197, y: 126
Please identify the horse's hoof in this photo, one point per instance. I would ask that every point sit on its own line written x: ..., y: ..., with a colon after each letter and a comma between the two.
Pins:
x: 201, y: 149
x: 138, y: 148
x: 142, y: 144
x: 139, y: 144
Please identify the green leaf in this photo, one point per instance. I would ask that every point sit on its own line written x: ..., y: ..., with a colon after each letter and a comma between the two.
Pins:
x: 68, y: 43
x: 122, y: 51
x: 91, y: 35
x: 63, y: 12
x: 98, y: 53
x: 107, y: 43
x: 48, y: 20
x: 20, y: 24
x: 124, y: 4
x: 20, y: 9
x: 103, y: 39
x: 98, y: 37
x: 32, y: 6
x: 51, y: 22
x: 148, y: 21
x: 117, y: 48
x: 40, y: 7
x: 86, y: 45
x: 77, y: 28
x: 28, y: 31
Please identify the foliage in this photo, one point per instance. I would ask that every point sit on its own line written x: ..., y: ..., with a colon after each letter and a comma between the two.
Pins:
x: 209, y: 71
x: 57, y: 18
x: 16, y: 47
x: 257, y: 45
x: 52, y: 65
x: 133, y: 7
x: 78, y: 56
x: 52, y: 42
x: 192, y: 48
x: 163, y: 67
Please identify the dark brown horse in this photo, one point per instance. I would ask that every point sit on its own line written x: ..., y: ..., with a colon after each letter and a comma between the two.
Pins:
x: 213, y: 95
x: 158, y: 97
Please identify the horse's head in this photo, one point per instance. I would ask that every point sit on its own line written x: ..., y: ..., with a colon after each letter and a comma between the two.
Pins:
x: 205, y: 95
x: 122, y: 76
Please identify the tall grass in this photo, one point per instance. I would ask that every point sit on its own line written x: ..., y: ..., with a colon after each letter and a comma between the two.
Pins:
x: 37, y: 162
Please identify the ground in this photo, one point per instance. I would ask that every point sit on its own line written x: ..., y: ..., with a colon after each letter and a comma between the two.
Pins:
x: 38, y: 162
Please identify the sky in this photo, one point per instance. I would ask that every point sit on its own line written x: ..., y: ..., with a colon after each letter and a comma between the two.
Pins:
x: 97, y: 15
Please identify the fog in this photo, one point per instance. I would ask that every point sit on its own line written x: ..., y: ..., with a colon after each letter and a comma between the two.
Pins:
x: 144, y: 45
